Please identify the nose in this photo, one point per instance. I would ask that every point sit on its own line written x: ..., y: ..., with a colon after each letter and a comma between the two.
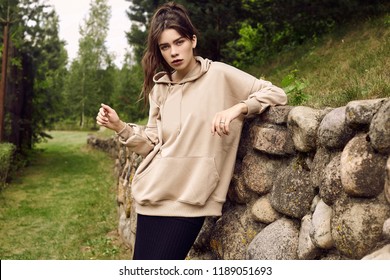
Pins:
x: 174, y: 51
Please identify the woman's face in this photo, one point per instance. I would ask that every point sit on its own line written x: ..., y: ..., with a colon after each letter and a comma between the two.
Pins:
x: 177, y: 51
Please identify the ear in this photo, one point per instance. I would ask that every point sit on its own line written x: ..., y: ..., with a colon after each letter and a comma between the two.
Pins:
x: 194, y: 41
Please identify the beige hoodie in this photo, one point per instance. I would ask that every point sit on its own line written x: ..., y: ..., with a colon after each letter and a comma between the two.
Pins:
x: 186, y: 170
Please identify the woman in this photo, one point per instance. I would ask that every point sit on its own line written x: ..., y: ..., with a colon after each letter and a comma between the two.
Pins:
x: 189, y: 144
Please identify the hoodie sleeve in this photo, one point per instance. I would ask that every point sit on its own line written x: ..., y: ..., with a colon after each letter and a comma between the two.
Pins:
x: 142, y: 139
x: 263, y: 95
x: 257, y: 94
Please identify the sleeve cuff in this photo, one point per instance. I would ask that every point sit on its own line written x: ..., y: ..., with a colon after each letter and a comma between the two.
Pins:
x: 254, y: 106
x: 126, y: 132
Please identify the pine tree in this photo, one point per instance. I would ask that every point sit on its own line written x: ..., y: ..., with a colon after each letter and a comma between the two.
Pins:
x: 37, y: 67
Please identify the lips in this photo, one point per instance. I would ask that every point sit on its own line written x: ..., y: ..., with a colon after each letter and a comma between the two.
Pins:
x: 177, y: 62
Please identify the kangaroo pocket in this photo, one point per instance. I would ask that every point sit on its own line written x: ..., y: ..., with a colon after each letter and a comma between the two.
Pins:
x: 190, y: 180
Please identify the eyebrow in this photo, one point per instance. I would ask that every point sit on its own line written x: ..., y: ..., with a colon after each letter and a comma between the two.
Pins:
x: 174, y: 41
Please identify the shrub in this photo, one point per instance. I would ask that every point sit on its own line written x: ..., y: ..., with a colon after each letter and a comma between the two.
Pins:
x: 293, y: 86
x: 6, y: 153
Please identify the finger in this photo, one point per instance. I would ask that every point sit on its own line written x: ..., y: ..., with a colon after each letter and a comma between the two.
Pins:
x: 227, y: 131
x: 215, y: 128
x: 219, y: 132
x: 102, y: 111
x: 221, y: 128
x: 106, y: 108
x: 100, y: 121
x: 227, y: 127
x: 102, y: 117
x: 213, y: 125
x: 218, y: 124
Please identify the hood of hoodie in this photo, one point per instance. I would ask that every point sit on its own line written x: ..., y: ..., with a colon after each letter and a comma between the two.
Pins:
x: 202, y: 67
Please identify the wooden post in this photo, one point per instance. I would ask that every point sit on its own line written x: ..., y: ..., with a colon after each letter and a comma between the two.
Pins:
x: 3, y: 80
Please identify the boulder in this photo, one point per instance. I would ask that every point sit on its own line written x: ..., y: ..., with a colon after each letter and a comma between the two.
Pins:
x: 292, y: 193
x: 277, y: 241
x: 331, y: 186
x: 362, y: 169
x: 306, y: 248
x: 380, y: 129
x: 303, y: 123
x: 333, y: 132
x: 320, y: 231
x: 233, y: 232
x: 259, y: 172
x: 380, y: 254
x: 357, y: 224
x: 263, y: 212
x: 273, y: 140
x: 359, y: 113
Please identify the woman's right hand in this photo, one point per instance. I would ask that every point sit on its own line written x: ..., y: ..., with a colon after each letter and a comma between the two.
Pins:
x: 107, y: 117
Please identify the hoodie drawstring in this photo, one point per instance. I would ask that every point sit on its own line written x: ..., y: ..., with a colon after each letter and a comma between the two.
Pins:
x: 180, y: 107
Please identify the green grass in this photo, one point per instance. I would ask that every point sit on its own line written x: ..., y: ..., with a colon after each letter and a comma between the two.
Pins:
x: 62, y: 206
x: 352, y: 63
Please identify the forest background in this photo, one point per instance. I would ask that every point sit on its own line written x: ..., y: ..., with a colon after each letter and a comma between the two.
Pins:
x: 46, y: 91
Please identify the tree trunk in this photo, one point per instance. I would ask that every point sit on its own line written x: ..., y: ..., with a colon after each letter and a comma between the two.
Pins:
x: 82, y: 120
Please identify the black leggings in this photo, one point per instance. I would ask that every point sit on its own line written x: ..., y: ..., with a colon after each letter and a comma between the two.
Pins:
x: 165, y: 238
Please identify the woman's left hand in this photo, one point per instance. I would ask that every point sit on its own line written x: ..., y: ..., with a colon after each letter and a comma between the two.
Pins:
x: 222, y: 120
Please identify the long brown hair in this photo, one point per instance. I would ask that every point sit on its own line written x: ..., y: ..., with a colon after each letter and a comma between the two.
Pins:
x: 168, y: 16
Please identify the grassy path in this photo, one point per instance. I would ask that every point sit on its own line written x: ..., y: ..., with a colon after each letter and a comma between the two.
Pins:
x: 62, y: 206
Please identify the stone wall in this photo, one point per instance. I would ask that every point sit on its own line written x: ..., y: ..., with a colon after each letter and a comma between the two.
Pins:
x: 308, y: 184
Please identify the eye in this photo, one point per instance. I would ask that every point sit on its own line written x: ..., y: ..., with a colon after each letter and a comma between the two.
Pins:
x: 163, y: 47
x: 180, y: 42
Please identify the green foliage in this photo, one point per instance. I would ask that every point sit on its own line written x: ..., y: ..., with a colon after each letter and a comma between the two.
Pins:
x: 293, y: 86
x: 92, y: 51
x: 49, y: 77
x: 92, y: 74
x: 244, y: 32
x: 36, y: 70
x: 386, y: 20
x: 140, y: 14
x: 63, y: 205
x: 41, y: 92
x: 248, y: 43
x: 126, y: 97
x: 8, y: 8
x: 6, y: 152
x: 217, y: 21
x: 350, y: 64
x: 277, y: 25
